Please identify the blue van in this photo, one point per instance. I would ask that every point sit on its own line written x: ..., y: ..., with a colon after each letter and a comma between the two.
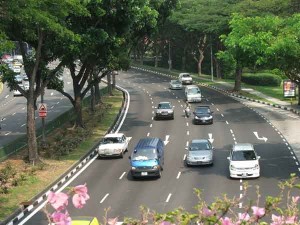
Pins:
x: 147, y: 158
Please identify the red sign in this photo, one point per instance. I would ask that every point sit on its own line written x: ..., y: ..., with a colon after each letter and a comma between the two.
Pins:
x: 42, y: 110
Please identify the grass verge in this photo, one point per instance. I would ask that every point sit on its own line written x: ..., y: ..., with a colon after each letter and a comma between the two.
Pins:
x: 26, y: 181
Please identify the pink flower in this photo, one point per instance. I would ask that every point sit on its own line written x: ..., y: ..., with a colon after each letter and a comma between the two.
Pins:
x: 291, y: 220
x: 277, y: 220
x: 61, y: 218
x: 258, y: 212
x: 244, y: 216
x: 112, y: 221
x: 207, y: 212
x: 166, y: 223
x: 226, y: 221
x: 80, y: 196
x: 295, y: 199
x: 58, y: 200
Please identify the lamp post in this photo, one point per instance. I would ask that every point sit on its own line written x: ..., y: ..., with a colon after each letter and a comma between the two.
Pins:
x: 170, y: 60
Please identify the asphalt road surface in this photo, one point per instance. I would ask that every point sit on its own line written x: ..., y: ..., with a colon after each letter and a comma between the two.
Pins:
x: 111, y: 186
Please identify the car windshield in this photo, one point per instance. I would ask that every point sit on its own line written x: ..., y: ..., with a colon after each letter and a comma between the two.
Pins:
x: 186, y: 75
x: 144, y: 154
x: 202, y: 110
x: 175, y: 82
x: 194, y: 91
x: 243, y: 155
x: 200, y: 146
x: 111, y: 140
x: 164, y: 106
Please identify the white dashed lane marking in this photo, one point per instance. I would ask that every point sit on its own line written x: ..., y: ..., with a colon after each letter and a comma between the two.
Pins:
x: 103, y: 199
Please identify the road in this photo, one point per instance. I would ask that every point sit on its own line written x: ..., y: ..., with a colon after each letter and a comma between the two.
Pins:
x: 13, y: 111
x: 111, y: 186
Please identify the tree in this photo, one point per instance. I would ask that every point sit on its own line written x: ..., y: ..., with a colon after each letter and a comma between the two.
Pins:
x: 40, y: 24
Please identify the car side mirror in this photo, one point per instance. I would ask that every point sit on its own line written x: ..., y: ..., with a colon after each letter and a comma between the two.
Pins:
x: 228, y: 158
x: 258, y: 157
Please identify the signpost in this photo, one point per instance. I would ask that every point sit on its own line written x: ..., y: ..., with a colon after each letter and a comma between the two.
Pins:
x: 289, y: 89
x: 42, y: 110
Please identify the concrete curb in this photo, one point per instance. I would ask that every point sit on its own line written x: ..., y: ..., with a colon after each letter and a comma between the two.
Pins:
x: 21, y: 213
x: 226, y: 92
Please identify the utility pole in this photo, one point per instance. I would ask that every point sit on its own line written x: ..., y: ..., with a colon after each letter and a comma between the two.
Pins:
x: 170, y: 60
x: 211, y: 61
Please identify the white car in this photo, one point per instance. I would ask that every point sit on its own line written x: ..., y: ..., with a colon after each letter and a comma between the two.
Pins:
x: 18, y: 93
x: 17, y: 69
x: 243, y: 161
x: 193, y: 93
x: 185, y: 78
x: 113, y: 145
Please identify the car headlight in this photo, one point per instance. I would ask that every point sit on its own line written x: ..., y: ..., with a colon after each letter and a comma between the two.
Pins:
x: 189, y: 157
x: 119, y: 150
x: 133, y: 168
x: 196, y: 117
x: 155, y: 167
x: 232, y: 167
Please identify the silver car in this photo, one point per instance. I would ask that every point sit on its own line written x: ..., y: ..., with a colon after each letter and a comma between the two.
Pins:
x: 200, y: 152
x: 175, y: 85
x: 164, y: 110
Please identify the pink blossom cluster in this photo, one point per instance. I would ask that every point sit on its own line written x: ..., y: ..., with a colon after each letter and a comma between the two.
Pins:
x: 59, y: 201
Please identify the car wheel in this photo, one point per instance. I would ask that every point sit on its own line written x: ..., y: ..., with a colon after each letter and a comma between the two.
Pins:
x: 122, y: 155
x: 160, y: 174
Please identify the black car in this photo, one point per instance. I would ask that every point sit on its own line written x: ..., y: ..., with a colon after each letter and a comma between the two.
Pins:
x: 203, y: 115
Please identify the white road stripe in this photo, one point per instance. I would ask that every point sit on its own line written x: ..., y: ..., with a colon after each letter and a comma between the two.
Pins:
x: 122, y: 175
x: 168, y: 198
x: 178, y: 175
x: 23, y: 125
x: 227, y: 122
x: 222, y: 115
x: 187, y: 124
x: 184, y: 157
x: 148, y: 134
x: 218, y: 110
x: 6, y: 96
x: 151, y: 125
x: 103, y: 199
x: 7, y: 133
x: 187, y: 143
x: 187, y: 133
x: 231, y: 131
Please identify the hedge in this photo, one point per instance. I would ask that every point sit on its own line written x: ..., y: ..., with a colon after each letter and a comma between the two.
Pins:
x: 262, y: 79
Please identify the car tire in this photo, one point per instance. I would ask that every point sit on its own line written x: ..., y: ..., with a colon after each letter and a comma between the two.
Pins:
x: 122, y: 155
x: 159, y: 174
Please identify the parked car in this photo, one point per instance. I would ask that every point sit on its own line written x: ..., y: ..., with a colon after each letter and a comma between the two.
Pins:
x: 113, y: 145
x: 19, y: 78
x: 164, y: 110
x: 16, y: 69
x: 243, y: 161
x: 203, y: 115
x: 185, y: 78
x: 175, y: 85
x: 26, y: 82
x: 147, y: 158
x: 200, y: 152
x: 193, y: 93
x: 84, y: 220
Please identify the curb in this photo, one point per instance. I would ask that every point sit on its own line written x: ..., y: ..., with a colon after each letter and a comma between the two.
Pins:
x: 227, y: 92
x: 22, y: 212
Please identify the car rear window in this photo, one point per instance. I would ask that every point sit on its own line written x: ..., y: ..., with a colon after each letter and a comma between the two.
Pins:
x: 164, y: 106
x: 202, y: 110
x: 199, y: 146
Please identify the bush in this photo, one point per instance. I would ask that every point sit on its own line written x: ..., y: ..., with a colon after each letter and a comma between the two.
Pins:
x: 263, y: 79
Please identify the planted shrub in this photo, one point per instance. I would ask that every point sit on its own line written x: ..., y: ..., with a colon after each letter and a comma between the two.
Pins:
x: 262, y: 79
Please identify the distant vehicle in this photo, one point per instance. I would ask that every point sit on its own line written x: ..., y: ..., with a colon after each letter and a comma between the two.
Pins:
x: 17, y: 69
x: 16, y: 62
x: 203, y: 115
x: 113, y: 145
x: 200, y: 152
x: 193, y: 93
x: 147, y: 158
x: 7, y: 58
x: 243, y: 161
x: 175, y: 85
x: 164, y: 110
x: 17, y: 92
x: 19, y: 78
x: 18, y: 58
x: 26, y: 82
x: 185, y: 78
x: 84, y: 220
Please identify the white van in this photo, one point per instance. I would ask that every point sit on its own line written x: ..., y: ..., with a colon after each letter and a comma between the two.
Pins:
x: 193, y: 93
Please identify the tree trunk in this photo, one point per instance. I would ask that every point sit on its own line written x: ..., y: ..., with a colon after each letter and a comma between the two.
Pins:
x: 113, y: 81
x: 92, y: 99
x: 97, y: 94
x: 31, y: 132
x: 298, y: 93
x: 201, y: 58
x: 78, y: 111
x: 183, y: 59
x: 238, y: 78
x: 218, y: 68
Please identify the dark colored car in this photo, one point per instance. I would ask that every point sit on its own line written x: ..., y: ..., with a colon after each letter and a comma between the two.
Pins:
x: 203, y: 115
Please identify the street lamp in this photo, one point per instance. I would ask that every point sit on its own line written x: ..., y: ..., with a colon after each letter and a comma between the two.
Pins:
x: 170, y: 60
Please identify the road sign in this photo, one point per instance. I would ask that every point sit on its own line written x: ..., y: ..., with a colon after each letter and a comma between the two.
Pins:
x: 42, y: 110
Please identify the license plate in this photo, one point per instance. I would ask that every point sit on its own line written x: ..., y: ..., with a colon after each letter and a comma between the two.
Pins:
x: 144, y: 173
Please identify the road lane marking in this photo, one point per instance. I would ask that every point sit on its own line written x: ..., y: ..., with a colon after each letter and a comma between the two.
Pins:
x: 187, y: 143
x: 152, y: 118
x: 178, y: 175
x: 241, y: 187
x: 23, y: 125
x: 148, y: 134
x: 52, y: 107
x: 4, y: 118
x: 227, y: 122
x: 122, y: 175
x: 57, y: 103
x: 13, y: 114
x: 151, y: 125
x: 23, y: 108
x: 187, y: 133
x: 168, y: 198
x: 7, y: 133
x: 187, y: 124
x: 103, y: 199
x: 184, y: 157
x: 222, y: 115
x: 218, y: 110
x: 231, y: 131
x: 6, y: 96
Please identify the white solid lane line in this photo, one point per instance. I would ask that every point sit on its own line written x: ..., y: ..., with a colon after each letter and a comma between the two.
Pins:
x: 184, y: 157
x: 148, y: 134
x: 227, y: 122
x: 23, y: 125
x: 178, y: 175
x: 122, y: 175
x: 6, y: 96
x: 103, y: 199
